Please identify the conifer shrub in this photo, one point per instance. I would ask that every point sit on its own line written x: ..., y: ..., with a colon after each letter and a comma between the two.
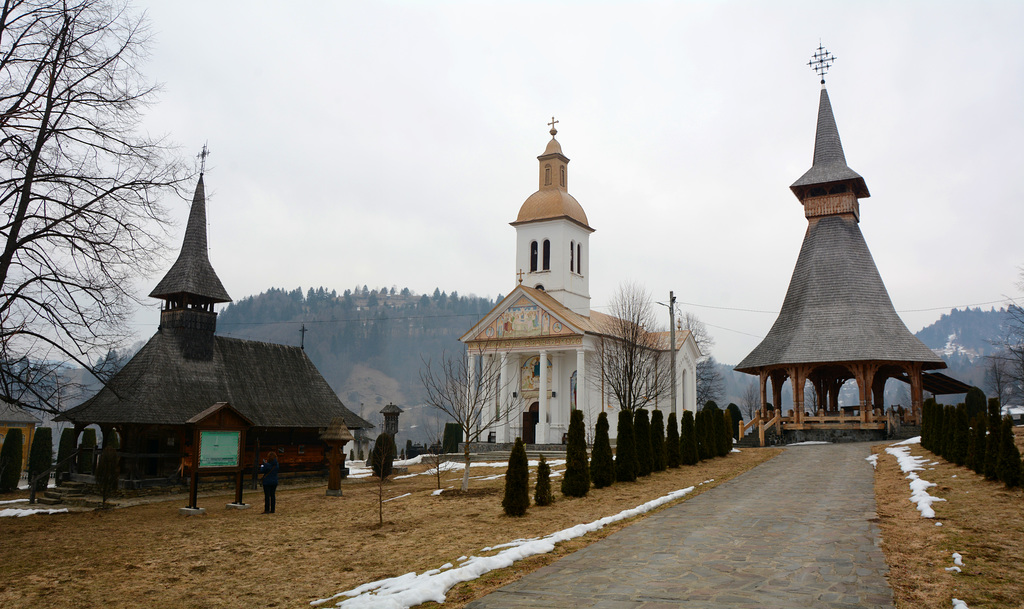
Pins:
x: 87, y: 448
x: 642, y: 435
x: 1009, y: 468
x: 688, y: 454
x: 672, y: 456
x: 382, y: 455
x: 979, y: 433
x: 720, y: 432
x: 517, y: 482
x: 948, y: 432
x: 735, y: 416
x: 576, y: 479
x: 602, y: 467
x: 625, y: 449
x: 961, y: 432
x: 658, y: 456
x: 64, y: 450
x: 40, y: 457
x: 726, y: 436
x: 452, y: 438
x: 699, y: 420
x: 10, y: 461
x: 992, y: 445
x: 542, y: 490
x: 107, y: 472
x: 975, y: 402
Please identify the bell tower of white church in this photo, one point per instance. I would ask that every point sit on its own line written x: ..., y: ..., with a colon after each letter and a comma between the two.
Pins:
x: 552, y: 235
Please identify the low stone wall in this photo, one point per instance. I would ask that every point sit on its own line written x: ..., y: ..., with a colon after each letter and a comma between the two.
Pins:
x: 792, y: 436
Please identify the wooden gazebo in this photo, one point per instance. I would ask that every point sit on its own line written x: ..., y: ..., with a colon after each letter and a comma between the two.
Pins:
x: 837, y: 322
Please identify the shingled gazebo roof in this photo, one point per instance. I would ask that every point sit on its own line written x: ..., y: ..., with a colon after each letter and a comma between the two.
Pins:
x: 837, y: 308
x: 192, y: 272
x: 272, y: 385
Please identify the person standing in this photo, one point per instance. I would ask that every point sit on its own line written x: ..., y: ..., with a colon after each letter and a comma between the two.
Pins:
x: 269, y: 470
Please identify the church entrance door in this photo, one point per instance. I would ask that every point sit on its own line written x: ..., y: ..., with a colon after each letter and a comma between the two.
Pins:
x: 530, y: 419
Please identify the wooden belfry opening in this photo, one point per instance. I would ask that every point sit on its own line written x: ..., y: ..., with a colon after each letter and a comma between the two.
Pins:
x: 837, y: 322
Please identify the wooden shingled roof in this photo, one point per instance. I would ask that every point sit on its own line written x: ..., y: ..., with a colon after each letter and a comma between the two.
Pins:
x: 192, y: 272
x: 837, y: 308
x: 271, y: 385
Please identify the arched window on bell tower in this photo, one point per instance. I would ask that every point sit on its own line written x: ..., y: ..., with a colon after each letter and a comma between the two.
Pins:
x: 572, y: 256
x: 547, y: 175
x: 533, y: 256
x: 547, y: 255
x: 579, y: 258
x: 562, y: 167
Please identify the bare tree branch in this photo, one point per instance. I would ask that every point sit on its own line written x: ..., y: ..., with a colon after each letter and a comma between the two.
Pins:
x: 79, y: 186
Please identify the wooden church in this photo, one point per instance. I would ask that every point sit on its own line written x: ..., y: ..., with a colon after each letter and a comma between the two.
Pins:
x: 185, y: 369
x: 837, y: 321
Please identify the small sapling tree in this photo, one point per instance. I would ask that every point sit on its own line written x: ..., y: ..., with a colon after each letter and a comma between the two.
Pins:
x: 382, y: 460
x: 602, y: 468
x: 576, y: 479
x: 517, y: 482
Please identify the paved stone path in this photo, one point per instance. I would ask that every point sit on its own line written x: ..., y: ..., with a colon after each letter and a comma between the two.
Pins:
x: 793, y: 532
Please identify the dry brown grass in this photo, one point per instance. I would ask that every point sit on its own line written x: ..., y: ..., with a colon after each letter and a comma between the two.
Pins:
x: 982, y: 520
x: 314, y: 547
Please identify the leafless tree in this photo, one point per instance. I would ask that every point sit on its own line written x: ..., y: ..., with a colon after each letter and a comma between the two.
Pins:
x: 750, y: 401
x: 632, y: 363
x: 997, y: 375
x: 710, y: 385
x: 810, y: 399
x: 79, y: 186
x: 474, y: 396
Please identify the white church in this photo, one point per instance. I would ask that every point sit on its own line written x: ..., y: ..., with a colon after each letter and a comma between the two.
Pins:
x: 543, y: 337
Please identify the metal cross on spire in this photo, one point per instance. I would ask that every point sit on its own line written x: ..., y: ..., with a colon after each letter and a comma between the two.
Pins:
x: 552, y: 125
x: 821, y: 61
x: 205, y: 152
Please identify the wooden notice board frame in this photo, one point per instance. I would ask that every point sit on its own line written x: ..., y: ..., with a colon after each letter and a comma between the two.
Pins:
x: 218, y: 439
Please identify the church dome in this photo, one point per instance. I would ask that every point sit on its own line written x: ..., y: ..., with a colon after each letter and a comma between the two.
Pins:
x: 547, y: 204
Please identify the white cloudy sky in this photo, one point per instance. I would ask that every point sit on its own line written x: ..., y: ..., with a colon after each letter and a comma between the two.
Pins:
x: 391, y: 143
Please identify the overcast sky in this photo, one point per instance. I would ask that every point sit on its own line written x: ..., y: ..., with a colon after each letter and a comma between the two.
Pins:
x: 391, y: 143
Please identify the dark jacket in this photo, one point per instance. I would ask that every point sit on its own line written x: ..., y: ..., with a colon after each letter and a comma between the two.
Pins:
x: 269, y: 471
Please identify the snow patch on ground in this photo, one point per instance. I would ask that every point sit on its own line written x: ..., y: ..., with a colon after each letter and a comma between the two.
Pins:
x: 959, y: 604
x: 910, y: 464
x: 873, y: 460
x: 909, y: 441
x: 13, y: 501
x: 413, y: 589
x: 808, y: 443
x: 20, y: 513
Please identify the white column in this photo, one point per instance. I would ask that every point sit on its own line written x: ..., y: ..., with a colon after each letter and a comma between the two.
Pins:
x: 542, y: 425
x: 581, y: 374
x: 505, y: 389
x: 471, y: 377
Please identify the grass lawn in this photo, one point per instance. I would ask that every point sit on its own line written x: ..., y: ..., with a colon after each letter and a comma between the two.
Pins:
x: 313, y: 547
x: 982, y: 520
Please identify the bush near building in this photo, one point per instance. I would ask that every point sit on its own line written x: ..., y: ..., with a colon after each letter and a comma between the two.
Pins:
x: 602, y: 467
x: 517, y: 482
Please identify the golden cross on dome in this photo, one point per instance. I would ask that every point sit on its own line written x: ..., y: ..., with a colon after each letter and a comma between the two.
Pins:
x: 821, y: 61
x: 552, y: 125
x: 520, y: 276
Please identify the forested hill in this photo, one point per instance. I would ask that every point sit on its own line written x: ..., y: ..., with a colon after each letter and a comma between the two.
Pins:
x: 368, y: 344
x: 969, y: 332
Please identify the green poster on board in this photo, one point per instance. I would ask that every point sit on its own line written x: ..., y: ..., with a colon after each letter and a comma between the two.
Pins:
x: 219, y: 448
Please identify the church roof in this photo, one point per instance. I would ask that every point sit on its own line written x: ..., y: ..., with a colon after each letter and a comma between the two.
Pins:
x: 272, y: 385
x: 550, y: 204
x: 192, y: 272
x: 829, y: 165
x: 10, y: 413
x: 837, y: 308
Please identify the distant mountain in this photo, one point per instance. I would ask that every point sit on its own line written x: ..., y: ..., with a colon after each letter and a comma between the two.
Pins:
x: 964, y: 332
x: 369, y: 344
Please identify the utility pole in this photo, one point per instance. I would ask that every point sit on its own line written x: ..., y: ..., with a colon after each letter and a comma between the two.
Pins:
x: 672, y: 337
